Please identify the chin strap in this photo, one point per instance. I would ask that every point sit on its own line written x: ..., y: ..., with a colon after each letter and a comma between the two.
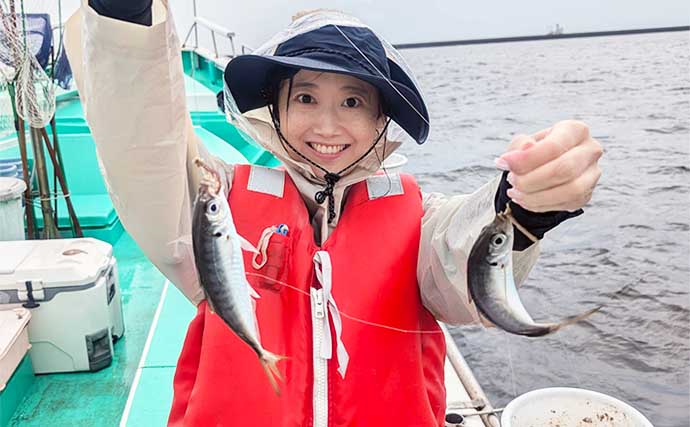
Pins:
x: 330, y: 177
x: 327, y: 192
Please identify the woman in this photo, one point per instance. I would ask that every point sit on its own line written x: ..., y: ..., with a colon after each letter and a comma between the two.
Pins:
x: 360, y: 285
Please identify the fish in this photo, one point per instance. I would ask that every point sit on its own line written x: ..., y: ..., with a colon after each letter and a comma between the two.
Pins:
x: 218, y: 254
x: 492, y: 286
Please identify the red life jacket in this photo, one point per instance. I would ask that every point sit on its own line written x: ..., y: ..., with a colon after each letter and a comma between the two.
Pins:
x: 395, y: 372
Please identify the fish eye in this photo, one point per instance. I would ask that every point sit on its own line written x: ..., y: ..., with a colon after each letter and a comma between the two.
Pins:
x: 212, y: 207
x: 498, y: 239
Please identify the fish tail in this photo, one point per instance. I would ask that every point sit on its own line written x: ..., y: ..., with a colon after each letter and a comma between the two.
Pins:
x: 575, y: 319
x: 269, y: 362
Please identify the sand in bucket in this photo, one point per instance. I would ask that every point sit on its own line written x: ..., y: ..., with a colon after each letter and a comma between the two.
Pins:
x: 570, y: 407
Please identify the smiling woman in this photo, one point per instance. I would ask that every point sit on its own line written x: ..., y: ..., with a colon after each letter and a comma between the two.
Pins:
x: 331, y: 119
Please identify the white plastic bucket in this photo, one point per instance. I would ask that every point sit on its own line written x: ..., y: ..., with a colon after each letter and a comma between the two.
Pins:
x: 11, y: 213
x: 394, y: 163
x: 570, y: 407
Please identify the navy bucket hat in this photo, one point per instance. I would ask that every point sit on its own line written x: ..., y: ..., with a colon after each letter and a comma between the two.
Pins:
x: 250, y: 77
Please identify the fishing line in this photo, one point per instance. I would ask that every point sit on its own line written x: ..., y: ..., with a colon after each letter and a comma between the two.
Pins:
x: 510, y: 364
x: 570, y: 362
x: 343, y: 314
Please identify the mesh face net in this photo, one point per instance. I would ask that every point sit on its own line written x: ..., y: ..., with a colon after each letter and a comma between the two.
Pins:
x: 309, y: 21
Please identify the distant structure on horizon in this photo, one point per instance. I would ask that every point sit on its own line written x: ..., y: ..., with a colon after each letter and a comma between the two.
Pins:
x: 555, y: 31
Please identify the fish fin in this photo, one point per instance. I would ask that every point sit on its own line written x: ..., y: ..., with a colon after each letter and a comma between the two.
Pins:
x: 269, y: 362
x: 574, y: 319
x: 247, y: 245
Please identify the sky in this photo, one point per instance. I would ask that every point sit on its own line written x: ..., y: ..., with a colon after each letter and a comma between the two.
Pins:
x: 404, y: 21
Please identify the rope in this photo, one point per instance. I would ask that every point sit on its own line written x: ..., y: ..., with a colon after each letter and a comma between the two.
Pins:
x: 507, y: 213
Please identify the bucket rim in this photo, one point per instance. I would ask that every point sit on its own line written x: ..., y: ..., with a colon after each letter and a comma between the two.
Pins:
x: 536, y: 394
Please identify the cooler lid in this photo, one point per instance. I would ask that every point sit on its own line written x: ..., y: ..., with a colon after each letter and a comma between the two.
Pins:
x: 59, y: 262
x: 12, y: 323
x: 13, y: 253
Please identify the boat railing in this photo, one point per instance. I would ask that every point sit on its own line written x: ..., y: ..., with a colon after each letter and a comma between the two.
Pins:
x: 215, y: 30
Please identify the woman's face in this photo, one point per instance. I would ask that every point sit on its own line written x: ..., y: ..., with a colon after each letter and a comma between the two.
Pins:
x: 332, y: 119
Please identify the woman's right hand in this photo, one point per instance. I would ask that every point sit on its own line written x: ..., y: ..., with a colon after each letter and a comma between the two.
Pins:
x: 135, y: 11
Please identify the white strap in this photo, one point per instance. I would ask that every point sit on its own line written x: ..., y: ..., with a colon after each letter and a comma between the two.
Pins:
x: 261, y: 249
x: 322, y: 266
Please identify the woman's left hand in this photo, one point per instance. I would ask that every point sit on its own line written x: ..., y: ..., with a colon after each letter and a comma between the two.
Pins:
x: 555, y: 169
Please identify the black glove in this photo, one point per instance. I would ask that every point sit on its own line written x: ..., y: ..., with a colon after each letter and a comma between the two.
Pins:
x: 536, y: 223
x: 135, y: 11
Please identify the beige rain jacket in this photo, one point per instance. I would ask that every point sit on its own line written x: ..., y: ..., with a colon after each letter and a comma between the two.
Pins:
x: 130, y: 81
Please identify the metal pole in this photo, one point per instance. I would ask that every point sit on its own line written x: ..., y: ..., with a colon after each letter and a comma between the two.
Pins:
x: 196, y: 30
x: 60, y: 23
x: 215, y: 46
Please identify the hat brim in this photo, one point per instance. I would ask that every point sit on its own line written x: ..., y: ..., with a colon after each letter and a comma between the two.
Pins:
x: 247, y: 76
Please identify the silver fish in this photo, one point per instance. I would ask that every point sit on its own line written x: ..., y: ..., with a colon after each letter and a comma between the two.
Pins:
x: 218, y: 254
x: 492, y: 287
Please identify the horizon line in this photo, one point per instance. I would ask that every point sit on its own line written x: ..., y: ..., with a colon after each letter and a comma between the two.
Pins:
x: 540, y: 37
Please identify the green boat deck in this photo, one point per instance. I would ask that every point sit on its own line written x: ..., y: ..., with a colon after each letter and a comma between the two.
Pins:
x: 136, y: 389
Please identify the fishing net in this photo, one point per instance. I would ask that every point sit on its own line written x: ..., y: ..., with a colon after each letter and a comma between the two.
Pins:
x: 25, y: 41
x: 303, y: 23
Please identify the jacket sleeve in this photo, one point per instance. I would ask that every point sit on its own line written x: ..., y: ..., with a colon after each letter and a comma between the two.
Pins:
x: 450, y: 227
x: 131, y: 84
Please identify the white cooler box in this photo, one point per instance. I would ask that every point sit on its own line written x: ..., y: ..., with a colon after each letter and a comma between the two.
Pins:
x: 71, y: 287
